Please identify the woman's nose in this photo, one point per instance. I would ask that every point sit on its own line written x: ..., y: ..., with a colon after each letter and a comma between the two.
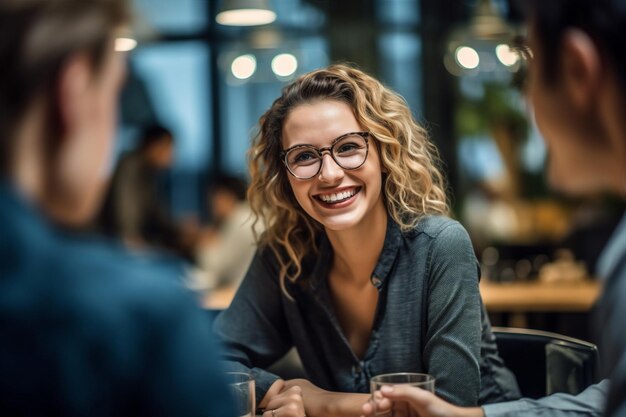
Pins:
x: 330, y: 171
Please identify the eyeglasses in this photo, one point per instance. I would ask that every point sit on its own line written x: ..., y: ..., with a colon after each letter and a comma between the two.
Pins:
x: 349, y: 151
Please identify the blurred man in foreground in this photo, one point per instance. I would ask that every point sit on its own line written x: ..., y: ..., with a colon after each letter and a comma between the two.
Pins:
x: 577, y: 88
x: 86, y: 329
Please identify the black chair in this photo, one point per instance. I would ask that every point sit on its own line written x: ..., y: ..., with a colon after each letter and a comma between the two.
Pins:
x: 546, y: 362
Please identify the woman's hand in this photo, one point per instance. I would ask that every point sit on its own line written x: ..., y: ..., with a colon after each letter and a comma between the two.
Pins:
x: 287, y: 403
x: 420, y: 403
x: 322, y: 403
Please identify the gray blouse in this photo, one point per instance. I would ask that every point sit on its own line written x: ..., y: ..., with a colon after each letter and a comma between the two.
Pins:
x: 429, y: 318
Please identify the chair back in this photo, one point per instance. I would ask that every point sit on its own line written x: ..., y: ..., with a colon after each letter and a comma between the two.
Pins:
x: 546, y: 362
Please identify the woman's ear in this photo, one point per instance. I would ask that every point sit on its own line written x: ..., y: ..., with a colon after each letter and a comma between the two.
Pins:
x: 581, y: 68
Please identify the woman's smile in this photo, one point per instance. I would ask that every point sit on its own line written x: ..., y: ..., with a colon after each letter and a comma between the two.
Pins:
x: 338, y: 198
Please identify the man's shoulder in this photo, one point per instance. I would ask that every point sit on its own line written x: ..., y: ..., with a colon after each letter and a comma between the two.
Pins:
x: 112, y: 269
x: 83, y: 277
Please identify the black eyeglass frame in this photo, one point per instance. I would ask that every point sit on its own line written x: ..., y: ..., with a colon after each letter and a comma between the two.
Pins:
x: 329, y: 149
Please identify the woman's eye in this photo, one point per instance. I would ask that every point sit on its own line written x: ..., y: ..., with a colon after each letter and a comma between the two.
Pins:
x: 305, y: 156
x: 347, y: 147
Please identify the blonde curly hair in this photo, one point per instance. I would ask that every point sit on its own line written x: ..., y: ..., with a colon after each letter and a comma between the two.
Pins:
x: 413, y: 184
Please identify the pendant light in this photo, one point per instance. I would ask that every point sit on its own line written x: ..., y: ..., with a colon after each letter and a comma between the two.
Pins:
x: 245, y: 13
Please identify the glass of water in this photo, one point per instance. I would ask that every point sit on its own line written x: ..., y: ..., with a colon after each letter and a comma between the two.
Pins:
x: 241, y: 386
x: 423, y: 381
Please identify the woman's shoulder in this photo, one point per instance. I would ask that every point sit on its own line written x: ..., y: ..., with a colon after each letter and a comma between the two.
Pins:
x: 441, y: 234
x: 437, y: 226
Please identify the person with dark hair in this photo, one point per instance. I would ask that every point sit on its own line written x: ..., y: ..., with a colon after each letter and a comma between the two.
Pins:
x: 226, y: 248
x: 87, y: 329
x: 155, y: 134
x: 135, y: 209
x: 577, y: 88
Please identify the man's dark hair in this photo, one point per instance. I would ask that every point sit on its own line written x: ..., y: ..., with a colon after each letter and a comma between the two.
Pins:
x: 603, y: 20
x: 153, y: 134
x: 36, y: 38
x: 233, y: 184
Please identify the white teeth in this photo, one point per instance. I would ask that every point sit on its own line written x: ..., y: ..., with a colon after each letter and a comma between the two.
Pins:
x: 335, y: 197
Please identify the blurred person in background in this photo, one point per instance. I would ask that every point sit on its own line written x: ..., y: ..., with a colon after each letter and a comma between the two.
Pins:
x: 359, y: 268
x: 227, y: 246
x: 87, y: 329
x: 135, y: 208
x: 577, y: 88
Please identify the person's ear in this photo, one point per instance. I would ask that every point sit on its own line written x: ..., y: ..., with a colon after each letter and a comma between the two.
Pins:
x: 581, y: 68
x: 74, y: 79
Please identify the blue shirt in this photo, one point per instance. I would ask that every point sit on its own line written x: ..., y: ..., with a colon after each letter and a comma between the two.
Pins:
x: 88, y: 330
x: 429, y: 318
x: 589, y: 403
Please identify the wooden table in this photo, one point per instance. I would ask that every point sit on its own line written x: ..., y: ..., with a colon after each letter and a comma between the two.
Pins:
x: 520, y: 298
x: 540, y: 297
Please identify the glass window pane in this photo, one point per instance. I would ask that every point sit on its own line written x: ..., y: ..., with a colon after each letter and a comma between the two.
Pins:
x: 180, y: 16
x: 401, y: 66
x: 398, y: 12
x: 177, y: 78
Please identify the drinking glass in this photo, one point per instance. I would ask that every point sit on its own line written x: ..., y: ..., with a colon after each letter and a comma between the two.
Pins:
x: 423, y: 381
x: 241, y: 385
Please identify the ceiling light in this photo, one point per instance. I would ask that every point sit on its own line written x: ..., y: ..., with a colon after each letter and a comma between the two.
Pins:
x: 284, y: 65
x: 243, y: 67
x: 467, y: 57
x: 125, y: 44
x: 472, y: 46
x: 506, y: 55
x: 245, y: 13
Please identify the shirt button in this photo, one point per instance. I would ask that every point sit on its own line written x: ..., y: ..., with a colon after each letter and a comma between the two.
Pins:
x: 356, y: 369
x: 376, y: 282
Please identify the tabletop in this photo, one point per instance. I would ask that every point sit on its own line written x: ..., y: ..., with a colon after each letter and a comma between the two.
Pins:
x: 537, y: 296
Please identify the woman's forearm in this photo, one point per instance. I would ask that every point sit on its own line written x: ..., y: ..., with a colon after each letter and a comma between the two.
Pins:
x: 322, y: 403
x: 341, y: 404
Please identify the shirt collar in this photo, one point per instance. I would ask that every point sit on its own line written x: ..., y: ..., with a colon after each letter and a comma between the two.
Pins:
x: 387, y: 258
x: 323, y: 259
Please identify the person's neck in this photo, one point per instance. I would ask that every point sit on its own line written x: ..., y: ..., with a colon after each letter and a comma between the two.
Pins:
x: 356, y: 251
x: 31, y: 170
x: 27, y: 168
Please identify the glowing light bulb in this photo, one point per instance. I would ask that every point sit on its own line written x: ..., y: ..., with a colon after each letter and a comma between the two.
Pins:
x: 467, y: 57
x: 284, y: 65
x: 243, y: 66
x: 506, y: 55
x: 246, y: 17
x: 125, y: 44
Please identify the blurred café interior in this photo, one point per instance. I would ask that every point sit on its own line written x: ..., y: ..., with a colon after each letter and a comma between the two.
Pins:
x: 207, y: 74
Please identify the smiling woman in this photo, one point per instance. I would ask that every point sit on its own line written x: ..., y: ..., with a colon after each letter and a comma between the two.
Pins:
x: 359, y: 268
